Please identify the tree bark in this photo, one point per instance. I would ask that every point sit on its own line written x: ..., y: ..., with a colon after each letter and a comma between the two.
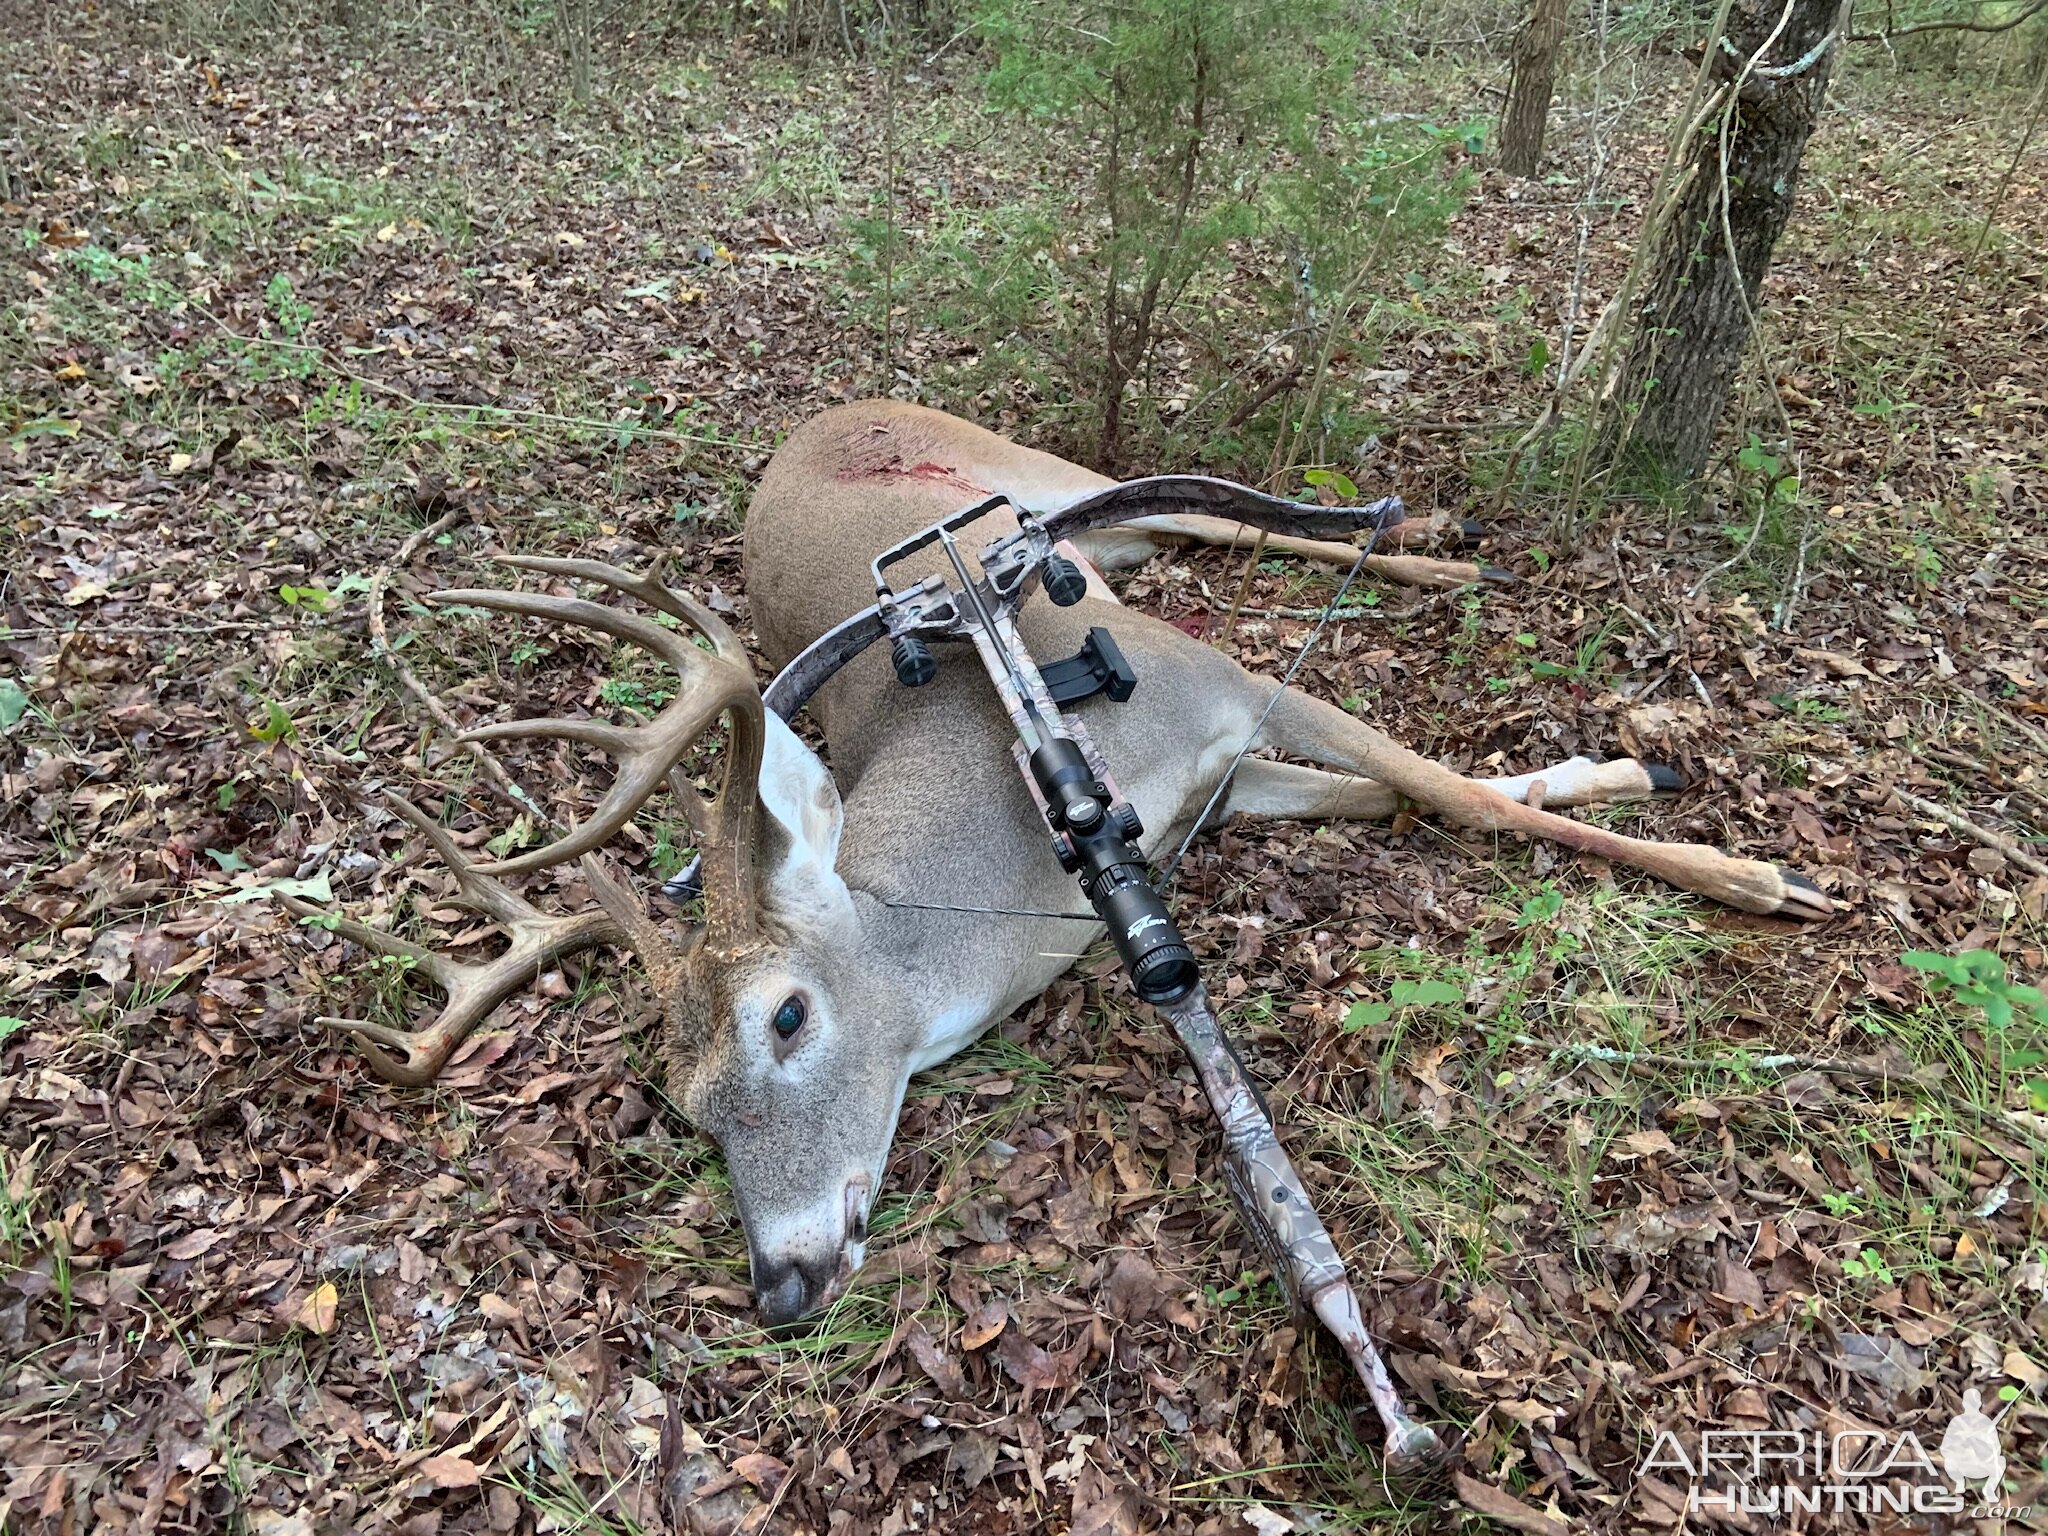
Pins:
x: 1695, y: 320
x: 1534, y: 78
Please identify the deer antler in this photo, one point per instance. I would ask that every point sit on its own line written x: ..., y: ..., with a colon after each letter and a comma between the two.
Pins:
x: 538, y: 941
x: 713, y: 683
x: 716, y: 682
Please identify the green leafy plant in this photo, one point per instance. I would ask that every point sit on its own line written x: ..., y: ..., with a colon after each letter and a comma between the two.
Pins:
x: 273, y: 725
x: 1426, y: 992
x: 625, y: 693
x: 1977, y: 978
x: 1767, y: 489
x: 13, y: 702
x: 293, y: 313
x: 1585, y: 663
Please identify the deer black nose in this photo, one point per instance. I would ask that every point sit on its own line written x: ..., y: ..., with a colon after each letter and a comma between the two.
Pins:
x: 786, y: 1290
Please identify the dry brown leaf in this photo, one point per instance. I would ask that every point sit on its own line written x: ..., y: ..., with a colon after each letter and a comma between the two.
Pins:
x: 973, y: 1457
x: 1103, y: 1507
x: 1498, y: 1504
x: 318, y: 1311
x: 1028, y: 1365
x: 1650, y: 1143
x: 2025, y: 1371
x: 192, y: 1244
x: 940, y: 1367
x: 984, y: 1323
x: 764, y: 1472
x: 451, y: 1471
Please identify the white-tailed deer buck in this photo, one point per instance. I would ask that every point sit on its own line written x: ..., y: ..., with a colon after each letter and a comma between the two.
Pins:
x: 795, y: 1017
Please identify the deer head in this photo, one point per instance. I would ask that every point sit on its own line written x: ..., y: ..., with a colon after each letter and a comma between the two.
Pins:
x: 775, y: 1035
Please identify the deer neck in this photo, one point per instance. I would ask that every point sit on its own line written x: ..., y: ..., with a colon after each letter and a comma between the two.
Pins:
x: 952, y: 972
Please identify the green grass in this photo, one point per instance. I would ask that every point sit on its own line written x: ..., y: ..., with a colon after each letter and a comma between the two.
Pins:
x: 20, y: 1201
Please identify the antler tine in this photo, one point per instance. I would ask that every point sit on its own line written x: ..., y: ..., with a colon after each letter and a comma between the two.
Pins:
x: 713, y: 683
x: 493, y: 898
x: 648, y: 587
x: 537, y: 942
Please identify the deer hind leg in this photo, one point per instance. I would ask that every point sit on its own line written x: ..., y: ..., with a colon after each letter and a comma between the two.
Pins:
x: 1288, y: 791
x: 1308, y: 727
x: 1127, y: 545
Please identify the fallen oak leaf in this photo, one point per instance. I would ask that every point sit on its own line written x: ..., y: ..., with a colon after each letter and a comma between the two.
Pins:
x: 984, y: 1323
x: 1498, y: 1504
x: 193, y: 1244
x: 934, y: 1362
x: 318, y: 1311
x: 1031, y: 1367
x: 764, y: 1472
x: 448, y: 1471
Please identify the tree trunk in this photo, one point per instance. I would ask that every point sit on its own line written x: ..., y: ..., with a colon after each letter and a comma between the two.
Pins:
x: 572, y: 19
x: 1524, y: 118
x: 1695, y: 320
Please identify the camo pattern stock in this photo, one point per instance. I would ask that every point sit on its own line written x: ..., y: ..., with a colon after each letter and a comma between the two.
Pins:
x: 1274, y: 1204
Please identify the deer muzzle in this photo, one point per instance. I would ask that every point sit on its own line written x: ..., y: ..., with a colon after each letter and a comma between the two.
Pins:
x: 788, y: 1288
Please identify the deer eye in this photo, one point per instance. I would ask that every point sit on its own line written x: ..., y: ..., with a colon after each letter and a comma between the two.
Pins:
x: 789, y: 1018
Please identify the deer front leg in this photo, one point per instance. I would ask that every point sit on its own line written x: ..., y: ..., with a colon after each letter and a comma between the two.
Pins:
x: 1308, y: 727
x: 1290, y: 792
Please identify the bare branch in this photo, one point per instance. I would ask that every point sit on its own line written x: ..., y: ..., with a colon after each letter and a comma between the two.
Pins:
x: 2007, y: 25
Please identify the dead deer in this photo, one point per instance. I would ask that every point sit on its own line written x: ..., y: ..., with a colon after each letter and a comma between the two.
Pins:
x: 831, y: 965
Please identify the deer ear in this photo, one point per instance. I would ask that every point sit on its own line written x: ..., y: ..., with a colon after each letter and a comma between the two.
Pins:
x: 801, y: 820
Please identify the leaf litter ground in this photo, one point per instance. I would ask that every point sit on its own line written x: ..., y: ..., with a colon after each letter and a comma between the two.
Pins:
x: 279, y: 310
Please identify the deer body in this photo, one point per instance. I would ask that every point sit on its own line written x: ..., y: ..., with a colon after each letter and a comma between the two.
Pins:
x: 795, y: 1019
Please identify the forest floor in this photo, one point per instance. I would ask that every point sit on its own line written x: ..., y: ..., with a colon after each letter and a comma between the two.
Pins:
x: 272, y: 311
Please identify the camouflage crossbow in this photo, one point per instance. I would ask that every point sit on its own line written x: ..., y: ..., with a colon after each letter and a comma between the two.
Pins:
x: 1094, y: 830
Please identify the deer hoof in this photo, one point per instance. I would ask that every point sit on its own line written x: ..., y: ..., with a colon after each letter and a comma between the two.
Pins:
x: 1495, y: 573
x: 1663, y: 781
x: 1802, y: 898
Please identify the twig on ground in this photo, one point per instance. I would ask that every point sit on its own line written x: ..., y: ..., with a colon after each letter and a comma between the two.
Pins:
x: 380, y: 645
x: 1776, y: 1061
x: 196, y: 628
x: 1705, y: 1351
x: 2005, y: 25
x: 1260, y: 396
x: 2013, y: 852
x: 1970, y: 764
x: 1244, y: 585
x: 1451, y: 428
x: 1426, y: 600
x: 1350, y: 611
